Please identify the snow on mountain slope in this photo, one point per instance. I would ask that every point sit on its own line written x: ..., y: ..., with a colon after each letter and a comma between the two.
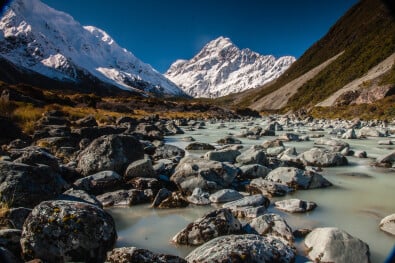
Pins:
x: 39, y: 38
x: 221, y: 68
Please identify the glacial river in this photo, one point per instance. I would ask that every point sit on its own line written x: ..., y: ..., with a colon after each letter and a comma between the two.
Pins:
x: 354, y: 204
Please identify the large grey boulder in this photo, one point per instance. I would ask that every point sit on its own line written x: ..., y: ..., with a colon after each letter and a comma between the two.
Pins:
x: 59, y: 231
x: 268, y: 188
x: 34, y: 155
x: 193, y: 173
x: 271, y: 225
x: 322, y: 158
x: 110, y: 152
x: 369, y: 132
x: 252, y: 171
x: 243, y: 248
x: 26, y: 186
x: 125, y: 197
x: 140, y: 168
x: 199, y: 146
x: 334, y: 144
x: 80, y: 196
x: 248, y: 206
x: 330, y: 244
x: 297, y: 179
x: 225, y: 195
x: 387, y: 224
x: 133, y: 254
x: 216, y: 223
x: 100, y: 182
x: 199, y: 197
x: 253, y: 155
x: 295, y: 205
x: 224, y: 155
x: 168, y: 151
x: 386, y: 160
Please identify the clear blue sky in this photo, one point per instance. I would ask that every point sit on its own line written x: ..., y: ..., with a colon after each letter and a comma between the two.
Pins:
x: 161, y: 31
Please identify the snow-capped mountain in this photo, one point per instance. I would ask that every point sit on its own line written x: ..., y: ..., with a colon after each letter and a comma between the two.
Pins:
x: 221, y: 68
x: 41, y: 39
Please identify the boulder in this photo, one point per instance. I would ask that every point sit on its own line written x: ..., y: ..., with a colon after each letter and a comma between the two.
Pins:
x: 242, y: 248
x: 225, y: 195
x: 330, y: 244
x: 168, y: 151
x: 228, y: 140
x: 248, y: 206
x: 88, y: 121
x: 26, y: 186
x: 110, y: 152
x: 295, y: 205
x: 253, y: 155
x: 140, y: 168
x: 188, y: 139
x: 191, y: 173
x: 297, y: 179
x: 92, y: 133
x: 100, y: 182
x: 175, y: 200
x: 369, y: 132
x: 252, y: 171
x: 199, y: 197
x: 349, y: 134
x: 268, y: 188
x: 14, y: 217
x: 80, y: 196
x: 386, y: 160
x: 59, y: 231
x: 271, y: 225
x: 223, y: 155
x: 216, y: 223
x: 173, y: 129
x: 387, y: 224
x: 199, y: 146
x: 336, y: 145
x: 9, y: 239
x: 160, y: 196
x: 289, y: 137
x: 385, y: 142
x: 133, y: 254
x: 322, y: 158
x: 34, y: 155
x: 125, y: 198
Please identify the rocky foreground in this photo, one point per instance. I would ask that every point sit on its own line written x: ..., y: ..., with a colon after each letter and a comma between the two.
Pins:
x: 55, y: 185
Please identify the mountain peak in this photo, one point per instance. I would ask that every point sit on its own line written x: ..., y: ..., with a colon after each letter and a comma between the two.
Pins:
x: 38, y: 38
x: 221, y: 68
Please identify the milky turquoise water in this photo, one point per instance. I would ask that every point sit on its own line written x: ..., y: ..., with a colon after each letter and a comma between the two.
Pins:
x: 353, y: 204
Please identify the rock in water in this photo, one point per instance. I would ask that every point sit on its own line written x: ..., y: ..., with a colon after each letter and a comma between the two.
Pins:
x: 133, y: 254
x: 330, y: 244
x: 387, y: 224
x: 322, y: 158
x: 242, y: 248
x: 216, y: 223
x: 295, y: 205
x: 110, y: 152
x: 59, y: 231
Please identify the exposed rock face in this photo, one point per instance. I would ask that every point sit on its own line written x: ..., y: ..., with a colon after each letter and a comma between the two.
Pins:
x: 225, y: 155
x: 254, y: 155
x: 295, y: 205
x: 387, y: 224
x: 140, y: 168
x: 59, y: 231
x: 268, y: 188
x: 110, y: 152
x: 297, y: 178
x: 194, y: 173
x: 168, y: 151
x: 369, y: 132
x: 322, y: 158
x: 124, y: 198
x: 243, y: 248
x: 225, y: 195
x: 248, y: 206
x: 26, y: 186
x: 216, y: 223
x: 331, y: 244
x: 133, y: 254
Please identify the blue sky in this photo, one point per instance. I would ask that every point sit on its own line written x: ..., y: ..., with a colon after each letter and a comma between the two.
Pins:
x: 161, y: 31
